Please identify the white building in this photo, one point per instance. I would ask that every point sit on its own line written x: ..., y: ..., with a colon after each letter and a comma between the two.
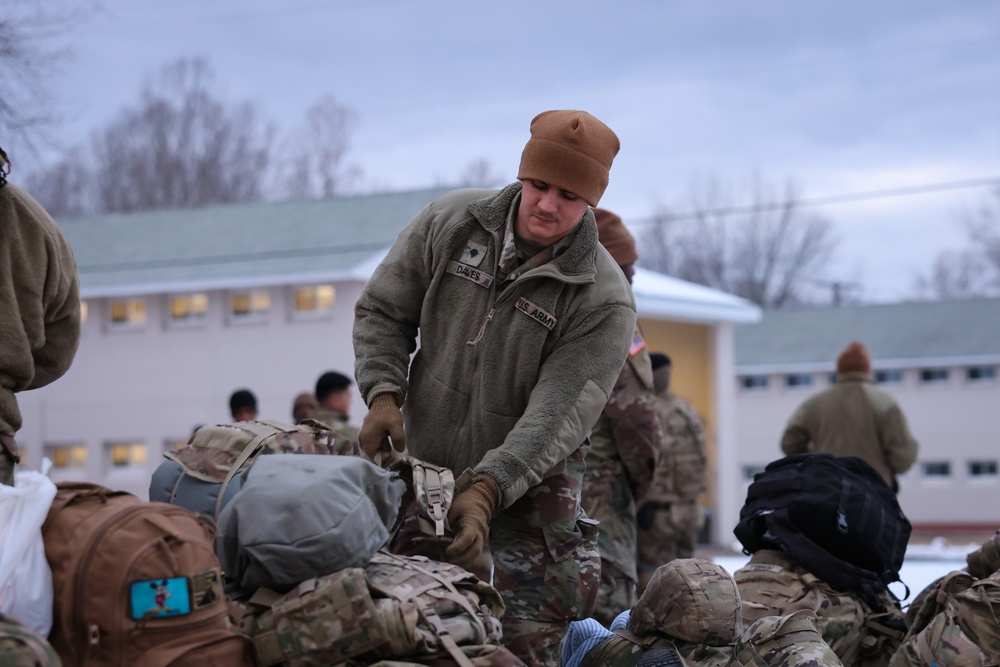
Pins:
x: 183, y: 307
x: 938, y: 359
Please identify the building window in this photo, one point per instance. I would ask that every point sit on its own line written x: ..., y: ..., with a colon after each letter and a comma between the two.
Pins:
x: 754, y: 382
x: 127, y: 313
x: 981, y: 373
x: 188, y: 309
x: 832, y: 379
x: 64, y: 457
x: 797, y: 380
x: 934, y: 375
x: 983, y: 469
x: 889, y: 377
x: 315, y: 300
x: 750, y: 471
x: 127, y: 454
x: 936, y: 469
x: 252, y: 306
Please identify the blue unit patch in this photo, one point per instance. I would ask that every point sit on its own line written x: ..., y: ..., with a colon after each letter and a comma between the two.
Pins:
x: 158, y: 598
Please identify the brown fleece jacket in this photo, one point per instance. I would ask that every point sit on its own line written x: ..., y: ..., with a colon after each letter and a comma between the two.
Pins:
x: 39, y: 301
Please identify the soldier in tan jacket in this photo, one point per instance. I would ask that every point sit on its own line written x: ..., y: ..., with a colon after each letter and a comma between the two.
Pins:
x: 854, y: 418
x: 39, y: 307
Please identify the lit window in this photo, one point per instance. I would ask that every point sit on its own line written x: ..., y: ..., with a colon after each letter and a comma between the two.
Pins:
x: 983, y: 469
x: 934, y: 375
x: 188, y: 308
x: 252, y: 305
x: 981, y: 373
x: 889, y: 377
x: 315, y: 299
x: 83, y: 311
x: 125, y: 454
x: 128, y: 313
x: 936, y: 469
x: 798, y: 380
x: 67, y: 456
x: 754, y: 382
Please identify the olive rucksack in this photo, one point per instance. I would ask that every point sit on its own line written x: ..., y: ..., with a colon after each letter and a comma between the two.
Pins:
x: 834, y: 516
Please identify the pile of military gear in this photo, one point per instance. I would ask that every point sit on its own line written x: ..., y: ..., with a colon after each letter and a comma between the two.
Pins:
x: 833, y: 515
x: 689, y: 614
x: 956, y: 619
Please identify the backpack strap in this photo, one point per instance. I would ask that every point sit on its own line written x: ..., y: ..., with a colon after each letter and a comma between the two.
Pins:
x: 429, y: 615
x: 262, y: 431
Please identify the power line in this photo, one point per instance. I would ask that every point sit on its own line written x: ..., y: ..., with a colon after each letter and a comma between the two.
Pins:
x: 825, y: 200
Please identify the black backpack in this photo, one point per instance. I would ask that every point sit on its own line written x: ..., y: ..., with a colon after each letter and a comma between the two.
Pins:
x: 833, y: 515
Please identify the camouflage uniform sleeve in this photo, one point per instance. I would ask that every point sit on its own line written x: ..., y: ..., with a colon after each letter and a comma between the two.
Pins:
x: 631, y: 409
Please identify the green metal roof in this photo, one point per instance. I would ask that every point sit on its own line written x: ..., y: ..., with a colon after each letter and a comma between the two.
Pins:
x: 933, y: 332
x: 237, y: 245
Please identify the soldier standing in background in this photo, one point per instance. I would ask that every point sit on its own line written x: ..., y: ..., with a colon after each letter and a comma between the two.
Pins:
x: 39, y: 307
x: 624, y: 449
x: 243, y: 405
x: 333, y: 394
x: 670, y: 516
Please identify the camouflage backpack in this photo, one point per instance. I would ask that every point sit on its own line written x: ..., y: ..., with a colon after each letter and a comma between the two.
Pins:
x: 784, y: 641
x: 966, y: 632
x: 772, y: 585
x: 202, y: 475
x: 20, y: 646
x: 688, y: 614
x: 404, y: 610
x: 985, y: 560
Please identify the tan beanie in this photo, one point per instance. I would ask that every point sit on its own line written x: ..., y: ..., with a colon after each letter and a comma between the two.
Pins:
x: 854, y: 359
x: 615, y: 237
x: 571, y: 150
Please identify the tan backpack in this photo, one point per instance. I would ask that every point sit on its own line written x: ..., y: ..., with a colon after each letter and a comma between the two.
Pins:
x: 136, y: 583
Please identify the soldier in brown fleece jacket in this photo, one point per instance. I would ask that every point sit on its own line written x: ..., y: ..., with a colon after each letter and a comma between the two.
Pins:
x: 39, y: 307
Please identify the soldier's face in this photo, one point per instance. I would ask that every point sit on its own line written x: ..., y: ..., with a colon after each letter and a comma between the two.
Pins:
x: 547, y: 213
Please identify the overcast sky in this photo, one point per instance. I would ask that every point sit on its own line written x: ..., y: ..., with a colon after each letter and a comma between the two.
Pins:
x: 842, y: 97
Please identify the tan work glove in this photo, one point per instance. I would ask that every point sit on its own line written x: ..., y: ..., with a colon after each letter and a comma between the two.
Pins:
x: 383, y: 422
x: 470, y: 517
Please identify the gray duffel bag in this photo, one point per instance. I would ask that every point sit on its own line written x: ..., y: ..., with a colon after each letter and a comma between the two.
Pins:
x: 299, y: 516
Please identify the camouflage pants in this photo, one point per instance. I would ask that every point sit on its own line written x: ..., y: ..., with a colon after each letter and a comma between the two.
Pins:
x: 545, y: 565
x: 670, y: 534
x: 616, y: 594
x: 8, y: 459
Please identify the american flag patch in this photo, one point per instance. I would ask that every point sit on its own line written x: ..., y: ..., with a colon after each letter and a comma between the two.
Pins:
x: 638, y: 345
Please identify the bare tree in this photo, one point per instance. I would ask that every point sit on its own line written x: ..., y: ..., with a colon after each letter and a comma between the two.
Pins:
x: 316, y: 167
x: 975, y: 269
x: 65, y: 188
x: 181, y: 146
x: 29, y: 61
x: 769, y: 251
x: 479, y: 174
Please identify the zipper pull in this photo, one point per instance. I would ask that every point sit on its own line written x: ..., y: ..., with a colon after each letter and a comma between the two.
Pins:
x: 482, y: 329
x: 93, y: 635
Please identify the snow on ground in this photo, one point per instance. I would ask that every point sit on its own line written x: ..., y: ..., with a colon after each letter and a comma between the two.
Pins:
x: 923, y: 564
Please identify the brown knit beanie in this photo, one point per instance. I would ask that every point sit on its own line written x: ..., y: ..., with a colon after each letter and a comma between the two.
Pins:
x: 854, y: 359
x: 615, y: 237
x: 571, y: 150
